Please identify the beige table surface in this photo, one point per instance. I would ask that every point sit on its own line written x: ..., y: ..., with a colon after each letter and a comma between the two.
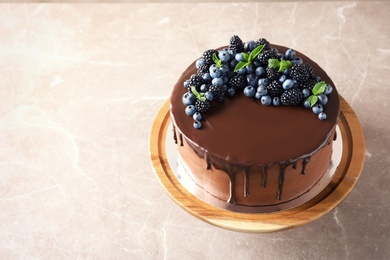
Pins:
x: 80, y: 85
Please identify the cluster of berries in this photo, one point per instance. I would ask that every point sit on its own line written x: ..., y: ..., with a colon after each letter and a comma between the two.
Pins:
x: 260, y: 72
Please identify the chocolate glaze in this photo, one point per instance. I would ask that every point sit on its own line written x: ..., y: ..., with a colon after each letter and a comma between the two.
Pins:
x: 277, y: 135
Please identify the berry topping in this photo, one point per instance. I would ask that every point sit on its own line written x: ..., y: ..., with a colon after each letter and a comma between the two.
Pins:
x: 218, y: 93
x: 275, y: 89
x: 272, y: 74
x: 202, y: 105
x: 237, y: 82
x: 208, y: 56
x: 291, y: 97
x: 195, y: 80
x: 236, y: 44
x: 299, y: 72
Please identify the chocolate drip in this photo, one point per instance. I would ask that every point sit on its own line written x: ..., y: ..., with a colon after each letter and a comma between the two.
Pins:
x: 282, y: 170
x: 305, y: 161
x: 294, y: 165
x: 264, y: 173
x: 232, y: 187
x: 174, y: 135
x: 181, y: 139
x: 207, y: 159
x: 246, y: 182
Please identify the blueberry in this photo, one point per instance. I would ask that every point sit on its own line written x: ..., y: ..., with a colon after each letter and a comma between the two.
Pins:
x: 225, y: 79
x: 186, y: 83
x: 285, y: 72
x: 282, y: 78
x: 317, y: 108
x: 197, y: 116
x: 231, y: 52
x: 262, y: 90
x: 224, y: 88
x: 249, y: 91
x: 204, y: 88
x: 317, y: 79
x: 188, y: 98
x: 231, y: 92
x: 290, y: 54
x: 217, y: 82
x: 258, y: 95
x: 233, y: 63
x: 250, y: 69
x: 224, y: 56
x: 296, y: 84
x: 224, y: 69
x: 206, y: 77
x: 209, y: 96
x: 306, y: 92
x: 276, y: 101
x: 200, y: 62
x: 322, y: 116
x: 256, y: 63
x: 260, y: 72
x: 190, y: 110
x: 306, y: 104
x: 197, y: 124
x: 279, y: 56
x: 328, y: 89
x: 266, y: 100
x: 251, y: 79
x: 297, y: 60
x: 239, y: 57
x: 287, y: 84
x: 263, y: 82
x: 250, y: 45
x: 242, y: 71
x: 215, y: 72
x: 322, y: 99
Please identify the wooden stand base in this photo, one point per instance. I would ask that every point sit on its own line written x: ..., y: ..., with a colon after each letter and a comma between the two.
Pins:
x: 344, y: 179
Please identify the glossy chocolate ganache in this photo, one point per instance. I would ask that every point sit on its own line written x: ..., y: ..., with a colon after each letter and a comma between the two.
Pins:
x: 254, y: 158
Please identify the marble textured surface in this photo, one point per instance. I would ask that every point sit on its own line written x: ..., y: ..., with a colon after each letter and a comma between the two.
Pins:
x: 80, y: 85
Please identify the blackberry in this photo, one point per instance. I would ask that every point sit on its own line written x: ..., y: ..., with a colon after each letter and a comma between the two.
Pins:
x: 263, y: 41
x: 218, y: 93
x: 272, y: 74
x: 275, y: 89
x: 237, y: 82
x: 310, y: 70
x: 309, y: 84
x: 203, y: 69
x: 299, y: 72
x: 202, y: 106
x: 236, y: 44
x: 265, y: 55
x: 291, y: 97
x: 208, y: 56
x: 195, y: 80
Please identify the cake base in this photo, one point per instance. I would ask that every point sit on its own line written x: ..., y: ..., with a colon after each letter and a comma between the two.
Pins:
x: 344, y: 179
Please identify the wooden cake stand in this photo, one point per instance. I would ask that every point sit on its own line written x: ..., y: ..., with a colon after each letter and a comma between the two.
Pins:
x: 345, y: 177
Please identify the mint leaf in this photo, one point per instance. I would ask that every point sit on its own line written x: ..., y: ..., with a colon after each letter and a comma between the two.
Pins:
x: 240, y: 65
x: 273, y: 63
x: 198, y: 95
x: 255, y: 52
x: 217, y: 61
x: 285, y: 65
x: 319, y: 88
x: 245, y: 55
x: 312, y: 100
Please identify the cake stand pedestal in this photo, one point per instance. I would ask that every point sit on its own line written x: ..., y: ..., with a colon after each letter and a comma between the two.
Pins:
x: 344, y: 179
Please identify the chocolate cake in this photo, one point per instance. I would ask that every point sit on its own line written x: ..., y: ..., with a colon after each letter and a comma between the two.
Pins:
x: 260, y: 140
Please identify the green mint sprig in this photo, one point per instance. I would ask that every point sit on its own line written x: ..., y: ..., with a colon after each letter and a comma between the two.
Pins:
x: 249, y: 58
x: 317, y: 90
x: 279, y: 65
x: 198, y: 95
x: 217, y: 61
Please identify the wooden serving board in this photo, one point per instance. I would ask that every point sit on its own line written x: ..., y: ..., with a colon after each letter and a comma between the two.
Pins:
x: 345, y: 177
